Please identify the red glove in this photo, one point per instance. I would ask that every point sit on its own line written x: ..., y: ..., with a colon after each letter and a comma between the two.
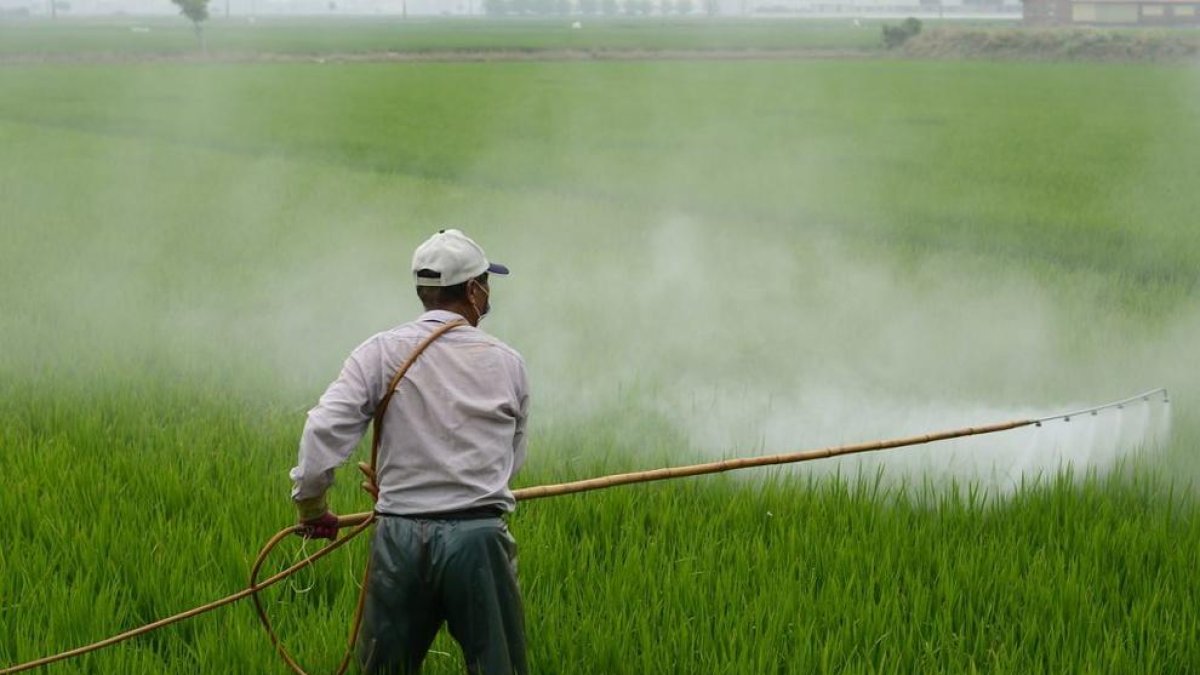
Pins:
x: 324, y: 526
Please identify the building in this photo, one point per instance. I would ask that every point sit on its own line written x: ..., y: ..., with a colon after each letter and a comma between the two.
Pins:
x: 1113, y: 12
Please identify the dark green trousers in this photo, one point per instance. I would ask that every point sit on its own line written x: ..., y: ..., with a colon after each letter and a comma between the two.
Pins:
x: 427, y: 571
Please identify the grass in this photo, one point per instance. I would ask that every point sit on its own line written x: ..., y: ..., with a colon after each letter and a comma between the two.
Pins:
x: 189, y: 251
x: 711, y: 575
x: 925, y: 152
x: 826, y: 576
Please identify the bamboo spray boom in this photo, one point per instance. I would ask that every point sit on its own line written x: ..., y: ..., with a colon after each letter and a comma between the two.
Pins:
x: 790, y: 458
x: 360, y: 522
x: 613, y: 480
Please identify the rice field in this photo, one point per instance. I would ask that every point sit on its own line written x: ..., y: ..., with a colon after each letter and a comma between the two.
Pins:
x: 710, y: 259
x: 323, y: 36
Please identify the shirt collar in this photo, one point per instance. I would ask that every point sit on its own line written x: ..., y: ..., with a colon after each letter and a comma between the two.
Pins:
x: 440, y: 316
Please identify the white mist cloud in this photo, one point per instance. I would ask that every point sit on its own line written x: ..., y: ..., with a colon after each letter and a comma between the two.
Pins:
x: 749, y: 344
x: 741, y: 335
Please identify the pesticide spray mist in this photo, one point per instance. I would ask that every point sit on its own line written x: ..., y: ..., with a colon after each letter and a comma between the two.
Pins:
x: 671, y: 322
x: 836, y: 347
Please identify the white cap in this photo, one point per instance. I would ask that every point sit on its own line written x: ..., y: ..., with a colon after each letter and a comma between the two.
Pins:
x: 449, y: 258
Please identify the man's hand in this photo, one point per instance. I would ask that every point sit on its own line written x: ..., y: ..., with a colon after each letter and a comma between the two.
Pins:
x: 316, y: 520
x: 369, y: 484
x: 324, y: 526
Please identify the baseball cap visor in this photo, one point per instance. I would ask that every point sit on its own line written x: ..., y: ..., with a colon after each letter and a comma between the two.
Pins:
x: 497, y: 268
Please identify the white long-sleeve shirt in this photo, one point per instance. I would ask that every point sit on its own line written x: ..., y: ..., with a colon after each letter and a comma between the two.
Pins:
x: 453, y: 434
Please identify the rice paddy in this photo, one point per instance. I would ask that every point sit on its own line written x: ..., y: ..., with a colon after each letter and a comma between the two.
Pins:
x: 710, y: 259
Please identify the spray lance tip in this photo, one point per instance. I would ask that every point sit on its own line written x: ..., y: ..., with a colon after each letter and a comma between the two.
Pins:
x: 1095, y: 410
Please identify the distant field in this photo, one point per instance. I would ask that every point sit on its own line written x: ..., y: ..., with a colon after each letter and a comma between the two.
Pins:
x: 293, y: 36
x: 709, y: 259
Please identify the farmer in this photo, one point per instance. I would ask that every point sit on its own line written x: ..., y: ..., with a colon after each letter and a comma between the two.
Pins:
x: 453, y: 436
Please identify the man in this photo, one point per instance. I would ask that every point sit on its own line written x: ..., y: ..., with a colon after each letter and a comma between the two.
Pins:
x: 453, y: 436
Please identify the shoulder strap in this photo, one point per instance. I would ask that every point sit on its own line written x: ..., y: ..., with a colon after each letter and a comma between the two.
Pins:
x: 377, y: 435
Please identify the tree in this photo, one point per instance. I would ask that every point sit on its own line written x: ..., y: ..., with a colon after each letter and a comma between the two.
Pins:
x: 589, y: 7
x: 197, y: 12
x: 684, y: 6
x: 609, y: 7
x: 894, y: 36
x: 495, y: 7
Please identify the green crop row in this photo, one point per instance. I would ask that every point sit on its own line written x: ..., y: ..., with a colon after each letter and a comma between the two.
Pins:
x: 125, y: 509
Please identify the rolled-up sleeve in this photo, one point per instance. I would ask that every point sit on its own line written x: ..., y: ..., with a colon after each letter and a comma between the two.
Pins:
x: 335, y: 426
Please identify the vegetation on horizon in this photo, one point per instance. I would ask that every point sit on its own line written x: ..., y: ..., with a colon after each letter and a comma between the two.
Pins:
x: 196, y: 11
